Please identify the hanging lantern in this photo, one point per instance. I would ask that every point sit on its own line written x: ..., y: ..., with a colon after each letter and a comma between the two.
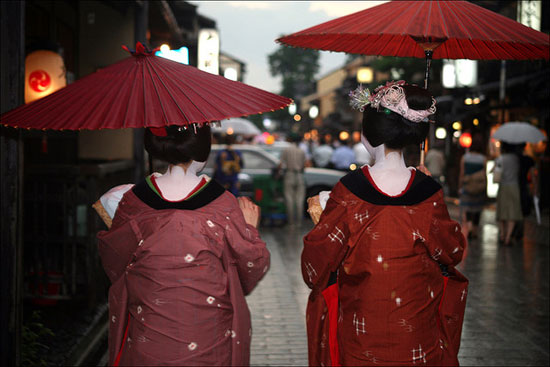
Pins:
x: 465, y: 140
x: 44, y: 74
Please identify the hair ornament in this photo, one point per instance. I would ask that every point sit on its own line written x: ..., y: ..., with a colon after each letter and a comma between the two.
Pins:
x: 392, y: 97
x: 359, y: 98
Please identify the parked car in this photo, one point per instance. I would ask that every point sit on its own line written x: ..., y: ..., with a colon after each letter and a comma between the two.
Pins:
x: 258, y: 162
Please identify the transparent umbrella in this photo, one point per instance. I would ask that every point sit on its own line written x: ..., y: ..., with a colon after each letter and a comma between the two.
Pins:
x: 518, y: 132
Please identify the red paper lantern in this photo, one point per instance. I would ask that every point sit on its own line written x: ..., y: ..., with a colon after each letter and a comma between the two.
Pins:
x: 44, y: 74
x: 465, y: 140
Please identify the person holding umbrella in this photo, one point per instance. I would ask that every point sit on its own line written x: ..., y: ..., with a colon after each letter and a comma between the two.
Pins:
x: 182, y: 252
x: 381, y: 259
x: 508, y: 198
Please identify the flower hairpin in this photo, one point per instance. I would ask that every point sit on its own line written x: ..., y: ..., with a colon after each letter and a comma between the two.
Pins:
x: 359, y: 98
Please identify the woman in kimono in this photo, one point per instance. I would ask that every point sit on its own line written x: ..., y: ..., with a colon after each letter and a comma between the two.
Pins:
x: 380, y: 261
x: 182, y: 252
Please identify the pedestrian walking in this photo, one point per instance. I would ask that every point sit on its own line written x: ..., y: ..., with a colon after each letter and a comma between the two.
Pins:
x: 435, y: 163
x: 472, y: 184
x: 343, y: 156
x: 508, y: 196
x: 381, y: 260
x: 322, y: 154
x: 293, y: 161
x: 528, y: 189
x: 182, y: 253
x: 229, y: 163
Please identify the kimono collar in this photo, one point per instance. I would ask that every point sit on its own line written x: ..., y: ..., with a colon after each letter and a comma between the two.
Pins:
x: 210, y: 192
x: 421, y: 188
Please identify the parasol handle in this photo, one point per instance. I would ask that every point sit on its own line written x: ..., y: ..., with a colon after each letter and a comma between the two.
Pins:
x: 429, y: 54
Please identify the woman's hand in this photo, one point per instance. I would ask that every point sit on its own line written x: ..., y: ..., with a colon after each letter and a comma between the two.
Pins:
x: 314, y: 208
x: 251, y: 211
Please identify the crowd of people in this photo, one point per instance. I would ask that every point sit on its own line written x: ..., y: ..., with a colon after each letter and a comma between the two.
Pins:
x: 337, y: 154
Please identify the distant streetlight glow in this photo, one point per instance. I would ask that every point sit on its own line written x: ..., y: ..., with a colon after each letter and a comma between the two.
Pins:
x: 292, y: 109
x: 475, y: 122
x: 468, y: 101
x: 297, y: 117
x: 440, y: 133
x: 365, y: 75
x: 344, y: 135
x: 457, y: 125
x: 313, y: 111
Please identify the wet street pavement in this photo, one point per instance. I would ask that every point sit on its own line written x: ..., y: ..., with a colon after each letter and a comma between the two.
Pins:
x: 507, y: 314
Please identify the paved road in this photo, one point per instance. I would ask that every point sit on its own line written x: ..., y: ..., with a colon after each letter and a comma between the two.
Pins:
x: 506, y: 322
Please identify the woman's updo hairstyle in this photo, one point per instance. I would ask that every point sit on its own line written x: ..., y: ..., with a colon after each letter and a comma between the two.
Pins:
x: 386, y: 127
x: 180, y: 145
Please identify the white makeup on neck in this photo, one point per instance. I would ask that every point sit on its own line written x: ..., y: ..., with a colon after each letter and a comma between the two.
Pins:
x: 389, y: 171
x: 178, y: 181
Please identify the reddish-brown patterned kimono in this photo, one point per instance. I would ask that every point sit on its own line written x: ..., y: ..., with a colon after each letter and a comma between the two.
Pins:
x: 394, y: 306
x: 179, y: 273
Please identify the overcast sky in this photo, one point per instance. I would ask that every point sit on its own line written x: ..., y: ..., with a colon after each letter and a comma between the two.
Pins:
x: 248, y: 30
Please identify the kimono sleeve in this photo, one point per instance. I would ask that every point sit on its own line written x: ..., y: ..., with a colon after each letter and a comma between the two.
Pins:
x: 326, y: 244
x: 445, y: 240
x: 248, y: 251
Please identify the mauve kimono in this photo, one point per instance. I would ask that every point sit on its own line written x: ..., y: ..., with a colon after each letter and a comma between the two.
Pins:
x: 381, y: 268
x: 179, y: 273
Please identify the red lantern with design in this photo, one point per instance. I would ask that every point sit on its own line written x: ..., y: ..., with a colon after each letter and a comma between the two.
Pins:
x: 44, y: 74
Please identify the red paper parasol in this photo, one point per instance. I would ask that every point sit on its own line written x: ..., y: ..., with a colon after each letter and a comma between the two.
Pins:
x: 143, y: 91
x: 430, y: 29
x: 451, y: 29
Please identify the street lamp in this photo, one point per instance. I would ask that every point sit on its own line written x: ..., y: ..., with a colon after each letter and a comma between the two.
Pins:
x: 313, y: 111
x: 365, y: 75
x: 292, y: 109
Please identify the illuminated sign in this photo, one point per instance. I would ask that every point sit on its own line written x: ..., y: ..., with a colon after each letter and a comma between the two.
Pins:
x: 181, y: 55
x: 529, y: 13
x: 209, y: 51
x: 459, y: 73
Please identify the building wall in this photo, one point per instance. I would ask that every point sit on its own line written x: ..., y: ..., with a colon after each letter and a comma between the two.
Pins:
x: 103, y: 30
x: 325, y: 89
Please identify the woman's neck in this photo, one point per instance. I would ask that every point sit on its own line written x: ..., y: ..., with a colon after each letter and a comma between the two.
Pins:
x: 389, y: 172
x: 179, y: 180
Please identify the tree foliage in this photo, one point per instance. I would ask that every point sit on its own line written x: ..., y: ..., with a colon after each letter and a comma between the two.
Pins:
x: 297, y: 67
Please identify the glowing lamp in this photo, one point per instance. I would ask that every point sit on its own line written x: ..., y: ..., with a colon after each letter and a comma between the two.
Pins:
x: 465, y: 140
x: 440, y: 133
x: 344, y: 135
x: 297, y: 117
x: 229, y: 131
x: 44, y: 74
x: 270, y: 140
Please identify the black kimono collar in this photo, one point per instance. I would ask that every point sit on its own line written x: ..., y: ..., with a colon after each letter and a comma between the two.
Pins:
x: 421, y: 188
x: 210, y: 192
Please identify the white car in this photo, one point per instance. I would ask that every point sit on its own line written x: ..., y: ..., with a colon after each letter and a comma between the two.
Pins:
x: 258, y: 162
